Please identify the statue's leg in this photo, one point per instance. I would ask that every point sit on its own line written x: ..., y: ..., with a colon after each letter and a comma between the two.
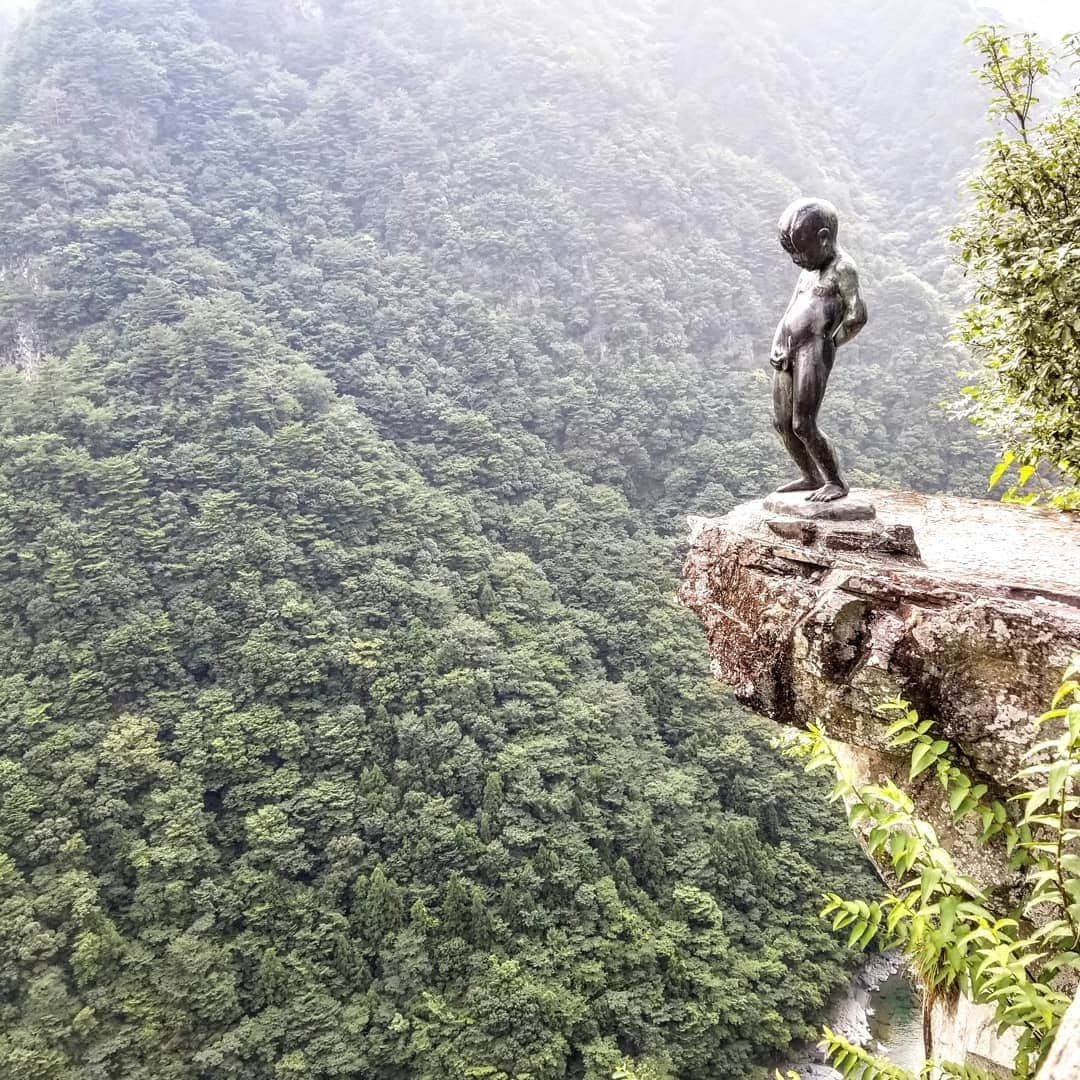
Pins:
x: 782, y: 395
x: 810, y: 376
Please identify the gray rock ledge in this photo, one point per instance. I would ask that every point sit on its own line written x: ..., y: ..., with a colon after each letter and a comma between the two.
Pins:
x: 968, y: 609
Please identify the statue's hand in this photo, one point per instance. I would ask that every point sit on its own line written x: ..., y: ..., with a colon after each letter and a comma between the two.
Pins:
x: 780, y: 356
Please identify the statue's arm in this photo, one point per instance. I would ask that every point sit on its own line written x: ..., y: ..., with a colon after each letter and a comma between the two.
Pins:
x: 854, y: 318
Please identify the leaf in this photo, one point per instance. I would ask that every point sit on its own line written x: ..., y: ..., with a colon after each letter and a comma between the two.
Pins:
x: 1001, y: 468
x: 906, y: 721
x: 1055, y: 781
x: 957, y: 797
x: 922, y: 758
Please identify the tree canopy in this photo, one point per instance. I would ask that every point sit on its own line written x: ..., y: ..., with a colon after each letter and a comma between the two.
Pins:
x: 361, y: 363
x: 1020, y: 245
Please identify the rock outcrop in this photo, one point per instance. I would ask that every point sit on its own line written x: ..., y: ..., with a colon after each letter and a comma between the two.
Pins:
x: 969, y: 610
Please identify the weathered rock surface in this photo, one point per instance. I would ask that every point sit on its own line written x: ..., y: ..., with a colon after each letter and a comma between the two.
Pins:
x: 1064, y: 1060
x: 965, y: 1033
x: 969, y: 610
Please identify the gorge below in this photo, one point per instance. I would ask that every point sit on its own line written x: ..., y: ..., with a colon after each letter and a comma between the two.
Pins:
x: 880, y: 1010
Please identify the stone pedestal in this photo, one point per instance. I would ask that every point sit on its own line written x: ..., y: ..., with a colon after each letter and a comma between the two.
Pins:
x: 855, y: 506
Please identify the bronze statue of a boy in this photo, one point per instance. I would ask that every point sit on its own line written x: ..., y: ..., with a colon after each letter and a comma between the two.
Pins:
x: 825, y: 312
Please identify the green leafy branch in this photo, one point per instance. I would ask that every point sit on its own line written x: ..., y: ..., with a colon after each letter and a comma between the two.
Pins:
x: 957, y: 937
x: 1017, y: 246
x: 855, y: 1063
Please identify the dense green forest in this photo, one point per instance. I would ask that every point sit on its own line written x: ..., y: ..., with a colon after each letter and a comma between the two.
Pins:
x: 361, y: 363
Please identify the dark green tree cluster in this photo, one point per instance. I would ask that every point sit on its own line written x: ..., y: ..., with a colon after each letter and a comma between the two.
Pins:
x: 362, y: 360
x: 303, y: 776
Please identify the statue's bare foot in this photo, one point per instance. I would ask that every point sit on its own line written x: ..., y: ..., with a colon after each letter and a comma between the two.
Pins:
x: 802, y: 484
x: 828, y: 493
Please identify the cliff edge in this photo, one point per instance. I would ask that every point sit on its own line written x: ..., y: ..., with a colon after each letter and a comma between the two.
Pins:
x: 969, y: 610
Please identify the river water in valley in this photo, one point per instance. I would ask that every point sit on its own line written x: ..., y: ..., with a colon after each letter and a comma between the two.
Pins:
x: 896, y: 1022
x: 880, y: 1011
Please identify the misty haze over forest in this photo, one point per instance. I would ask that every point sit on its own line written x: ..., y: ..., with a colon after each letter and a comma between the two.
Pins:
x: 361, y: 363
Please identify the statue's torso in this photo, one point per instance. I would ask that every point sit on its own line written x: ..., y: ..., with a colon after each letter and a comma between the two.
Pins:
x: 815, y: 310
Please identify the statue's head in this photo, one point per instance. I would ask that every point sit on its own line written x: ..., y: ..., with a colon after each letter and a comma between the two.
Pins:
x: 808, y: 230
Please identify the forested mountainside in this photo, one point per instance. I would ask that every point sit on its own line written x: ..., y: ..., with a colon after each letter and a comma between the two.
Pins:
x: 362, y: 360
